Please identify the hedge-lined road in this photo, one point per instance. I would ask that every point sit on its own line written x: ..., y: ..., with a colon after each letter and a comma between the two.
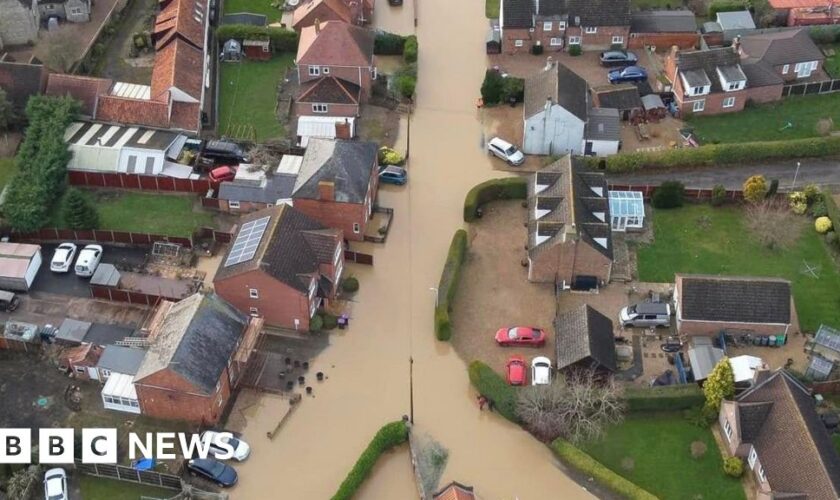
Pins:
x: 824, y: 172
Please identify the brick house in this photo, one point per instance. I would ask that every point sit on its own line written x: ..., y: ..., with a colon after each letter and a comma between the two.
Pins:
x: 791, y: 54
x: 707, y: 81
x: 557, y: 24
x: 663, y: 29
x: 337, y: 49
x: 358, y: 12
x: 198, y: 348
x: 328, y: 96
x: 569, y: 239
x: 805, y: 12
x: 585, y: 341
x: 775, y: 428
x: 293, y: 266
x: 707, y: 305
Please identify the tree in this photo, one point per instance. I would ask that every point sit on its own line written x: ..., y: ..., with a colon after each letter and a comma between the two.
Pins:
x: 7, y: 114
x: 79, y: 211
x: 772, y: 224
x: 669, y: 194
x: 59, y: 51
x: 720, y: 384
x: 755, y: 189
x: 492, y: 87
x: 578, y: 411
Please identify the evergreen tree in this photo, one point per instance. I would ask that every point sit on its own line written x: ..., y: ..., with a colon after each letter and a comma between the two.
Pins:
x: 79, y: 210
x: 719, y: 385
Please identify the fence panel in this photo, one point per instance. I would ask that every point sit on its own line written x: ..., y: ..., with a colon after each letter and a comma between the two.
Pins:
x: 128, y: 474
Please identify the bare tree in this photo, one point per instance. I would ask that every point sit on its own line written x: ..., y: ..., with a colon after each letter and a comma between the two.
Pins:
x: 773, y: 224
x: 264, y: 156
x: 59, y: 50
x: 578, y: 411
x: 22, y: 483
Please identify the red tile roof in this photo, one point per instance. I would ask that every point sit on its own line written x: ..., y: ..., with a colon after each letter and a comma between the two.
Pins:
x: 133, y: 111
x: 796, y: 4
x: 186, y: 116
x: 180, y: 17
x: 303, y: 14
x: 455, y: 491
x: 335, y: 44
x: 179, y: 65
x: 330, y: 90
x: 82, y: 88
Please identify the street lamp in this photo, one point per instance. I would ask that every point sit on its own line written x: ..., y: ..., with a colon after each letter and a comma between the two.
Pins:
x: 795, y: 175
x: 435, y: 290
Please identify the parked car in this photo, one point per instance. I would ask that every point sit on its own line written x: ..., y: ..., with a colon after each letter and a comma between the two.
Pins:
x: 241, y: 450
x: 220, y: 152
x: 506, y: 151
x: 222, y: 174
x: 516, y: 371
x: 9, y: 301
x: 521, y: 335
x: 393, y: 175
x: 618, y: 58
x: 215, y: 471
x: 63, y: 258
x: 88, y: 260
x: 646, y: 315
x: 55, y: 485
x: 628, y: 74
x: 540, y: 371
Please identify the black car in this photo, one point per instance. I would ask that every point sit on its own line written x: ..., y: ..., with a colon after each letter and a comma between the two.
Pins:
x: 618, y: 58
x: 219, y: 473
x: 219, y: 152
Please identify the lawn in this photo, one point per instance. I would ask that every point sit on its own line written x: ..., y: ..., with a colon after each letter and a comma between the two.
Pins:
x: 254, y: 7
x: 769, y: 122
x: 653, y: 451
x: 832, y: 63
x: 491, y: 8
x: 656, y: 4
x: 94, y: 488
x: 7, y: 170
x: 248, y: 97
x: 707, y: 240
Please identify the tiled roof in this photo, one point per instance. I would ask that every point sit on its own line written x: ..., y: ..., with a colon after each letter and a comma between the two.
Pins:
x: 330, y: 90
x: 185, y: 116
x: 624, y: 96
x: 135, y: 111
x: 455, y: 491
x: 341, y: 10
x: 82, y: 88
x: 20, y: 81
x: 336, y: 44
x: 348, y: 164
x: 560, y: 84
x: 604, y: 124
x: 736, y: 20
x: 663, y: 21
x: 517, y: 13
x: 783, y: 47
x: 583, y: 334
x: 184, y: 18
x: 693, y: 63
x: 735, y: 299
x: 179, y: 65
x: 599, y: 12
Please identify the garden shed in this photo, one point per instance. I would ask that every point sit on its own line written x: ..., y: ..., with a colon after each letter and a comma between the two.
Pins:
x: 232, y: 50
x: 493, y: 42
x: 627, y: 210
x: 259, y: 50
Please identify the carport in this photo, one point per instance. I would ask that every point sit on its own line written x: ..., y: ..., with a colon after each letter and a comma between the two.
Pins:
x: 119, y: 394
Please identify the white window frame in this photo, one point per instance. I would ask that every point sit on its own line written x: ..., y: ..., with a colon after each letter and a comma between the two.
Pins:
x: 314, y: 71
x: 547, y: 25
x: 338, y: 251
x: 518, y: 43
x: 729, y: 102
x: 556, y: 42
x: 561, y: 25
x: 75, y: 11
x: 785, y: 69
x: 762, y: 476
x: 79, y: 369
x: 253, y: 293
x: 753, y: 456
x: 106, y: 373
x: 590, y: 30
x: 697, y: 109
x: 616, y: 39
x: 233, y: 204
x: 326, y: 70
x: 254, y: 312
x: 320, y: 108
x: 727, y: 430
x: 574, y: 40
x: 357, y: 228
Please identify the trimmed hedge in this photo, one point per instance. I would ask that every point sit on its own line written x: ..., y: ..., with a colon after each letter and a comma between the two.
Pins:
x: 668, y: 398
x: 580, y: 461
x: 492, y: 386
x: 720, y: 154
x: 282, y: 40
x: 410, y: 49
x: 389, y: 436
x: 831, y: 208
x: 448, y: 284
x: 388, y: 44
x: 507, y: 188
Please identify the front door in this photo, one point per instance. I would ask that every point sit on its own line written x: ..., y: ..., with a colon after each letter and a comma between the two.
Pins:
x: 587, y: 148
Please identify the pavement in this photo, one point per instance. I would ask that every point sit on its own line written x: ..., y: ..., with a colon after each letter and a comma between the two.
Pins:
x: 70, y: 284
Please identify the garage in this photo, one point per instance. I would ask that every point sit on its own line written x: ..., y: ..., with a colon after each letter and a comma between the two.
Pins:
x: 19, y: 264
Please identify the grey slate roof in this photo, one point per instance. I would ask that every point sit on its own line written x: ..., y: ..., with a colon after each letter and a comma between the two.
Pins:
x: 119, y: 359
x: 735, y: 299
x: 751, y: 417
x: 599, y: 12
x: 604, y: 125
x: 196, y: 339
x: 624, y: 96
x: 517, y: 13
x: 276, y: 187
x: 663, y: 21
x: 584, y: 334
x: 736, y: 20
x: 760, y: 74
x: 652, y: 101
x: 560, y: 84
x: 103, y: 334
x: 349, y: 164
x: 72, y: 330
x: 694, y: 63
x: 782, y: 47
x: 21, y: 80
x: 732, y: 73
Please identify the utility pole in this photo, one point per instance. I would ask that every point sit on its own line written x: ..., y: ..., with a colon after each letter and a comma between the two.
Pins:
x: 411, y: 389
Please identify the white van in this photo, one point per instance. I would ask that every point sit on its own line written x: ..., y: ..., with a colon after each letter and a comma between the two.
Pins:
x: 88, y: 261
x: 645, y: 315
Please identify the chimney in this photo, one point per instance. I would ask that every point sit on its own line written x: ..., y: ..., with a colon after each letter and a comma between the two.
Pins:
x: 549, y: 63
x: 342, y: 130
x: 326, y: 191
x: 674, y: 51
x: 548, y: 103
x: 317, y: 25
x: 736, y: 44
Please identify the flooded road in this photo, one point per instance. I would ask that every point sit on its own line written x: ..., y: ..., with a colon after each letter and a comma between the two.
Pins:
x: 367, y: 365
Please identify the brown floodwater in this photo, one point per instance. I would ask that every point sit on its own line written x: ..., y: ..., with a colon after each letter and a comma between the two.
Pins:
x: 368, y: 365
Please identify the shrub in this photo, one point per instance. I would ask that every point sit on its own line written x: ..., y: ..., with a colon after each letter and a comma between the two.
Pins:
x: 410, y: 49
x: 822, y: 225
x: 388, y: 44
x: 79, y: 211
x: 831, y: 207
x: 578, y: 460
x: 405, y: 85
x: 718, y: 195
x: 492, y: 89
x: 818, y: 209
x: 575, y: 50
x: 492, y: 386
x: 388, y: 156
x: 798, y: 202
x: 755, y: 188
x: 733, y: 466
x: 668, y: 398
x: 812, y: 194
x: 507, y: 188
x: 831, y: 239
x: 719, y: 385
x: 670, y: 194
x: 328, y: 321
x: 698, y: 449
x: 825, y: 34
x: 388, y: 437
x: 448, y: 284
x: 282, y: 40
x: 513, y: 89
x: 350, y: 284
x: 726, y: 6
x: 316, y: 323
x: 774, y: 188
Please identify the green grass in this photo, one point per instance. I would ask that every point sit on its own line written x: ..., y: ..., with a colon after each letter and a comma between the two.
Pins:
x: 655, y: 4
x: 835, y: 439
x: 659, y: 447
x: 832, y: 63
x: 7, y: 170
x: 248, y: 97
x: 765, y: 122
x: 94, y: 488
x: 724, y: 246
x: 491, y: 8
x: 254, y: 7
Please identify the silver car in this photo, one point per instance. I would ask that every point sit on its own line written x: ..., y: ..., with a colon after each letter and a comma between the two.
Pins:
x: 646, y: 315
x: 506, y: 151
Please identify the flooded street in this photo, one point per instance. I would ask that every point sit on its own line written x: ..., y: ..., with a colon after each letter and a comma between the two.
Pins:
x: 367, y: 365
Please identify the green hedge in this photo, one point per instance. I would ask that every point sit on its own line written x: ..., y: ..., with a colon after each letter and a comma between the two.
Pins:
x: 721, y: 154
x: 449, y: 284
x: 507, y: 188
x: 726, y: 6
x: 388, y: 44
x: 668, y: 398
x: 578, y: 460
x: 410, y: 49
x: 833, y: 211
x: 494, y: 387
x: 389, y: 436
x: 282, y: 40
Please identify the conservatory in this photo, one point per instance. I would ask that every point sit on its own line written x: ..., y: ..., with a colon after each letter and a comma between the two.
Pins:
x: 119, y: 394
x: 627, y: 210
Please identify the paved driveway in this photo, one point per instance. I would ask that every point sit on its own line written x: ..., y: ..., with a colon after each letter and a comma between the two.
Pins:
x: 69, y: 283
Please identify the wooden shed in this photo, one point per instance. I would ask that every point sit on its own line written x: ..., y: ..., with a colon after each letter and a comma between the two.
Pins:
x: 259, y: 50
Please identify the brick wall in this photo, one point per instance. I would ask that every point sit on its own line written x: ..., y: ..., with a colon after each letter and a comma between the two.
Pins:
x: 664, y: 41
x: 602, y: 39
x: 768, y: 93
x: 278, y: 303
x: 349, y: 110
x: 360, y: 75
x: 509, y: 38
x: 166, y: 395
x: 790, y: 76
x: 342, y: 216
x: 712, y: 328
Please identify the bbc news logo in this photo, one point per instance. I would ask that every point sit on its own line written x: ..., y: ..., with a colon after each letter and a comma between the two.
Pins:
x: 99, y: 446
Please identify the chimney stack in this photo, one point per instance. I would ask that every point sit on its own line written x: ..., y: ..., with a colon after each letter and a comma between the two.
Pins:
x: 549, y: 63
x: 736, y: 44
x: 326, y: 191
x: 317, y: 25
x: 342, y: 130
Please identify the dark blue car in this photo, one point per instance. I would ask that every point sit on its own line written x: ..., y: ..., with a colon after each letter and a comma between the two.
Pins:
x: 219, y: 473
x: 628, y: 74
x: 393, y: 175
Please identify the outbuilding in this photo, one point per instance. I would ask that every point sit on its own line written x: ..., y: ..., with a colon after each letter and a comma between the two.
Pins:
x: 119, y: 394
x: 259, y: 50
x: 19, y: 264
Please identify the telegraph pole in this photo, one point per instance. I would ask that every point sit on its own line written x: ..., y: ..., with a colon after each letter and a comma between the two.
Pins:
x: 411, y: 389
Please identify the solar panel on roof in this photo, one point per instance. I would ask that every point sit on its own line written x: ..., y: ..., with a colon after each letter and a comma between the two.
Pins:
x: 247, y: 241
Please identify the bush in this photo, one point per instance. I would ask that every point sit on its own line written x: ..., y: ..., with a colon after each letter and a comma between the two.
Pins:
x: 448, y: 285
x: 507, y: 188
x: 798, y: 202
x: 755, y: 188
x: 388, y: 44
x: 825, y: 34
x: 718, y: 195
x: 492, y: 89
x: 575, y: 50
x: 405, y: 80
x: 726, y: 6
x: 669, y: 398
x: 282, y: 40
x: 388, y: 156
x: 822, y: 225
x: 316, y: 323
x: 410, y: 49
x: 513, y: 89
x: 670, y: 194
x: 328, y: 321
x: 818, y: 209
x: 578, y: 460
x: 733, y: 466
x: 350, y: 284
x: 812, y: 194
x: 78, y: 210
x: 493, y: 386
x: 388, y: 437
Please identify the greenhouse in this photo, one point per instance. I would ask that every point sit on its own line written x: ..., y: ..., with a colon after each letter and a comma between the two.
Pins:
x: 627, y: 210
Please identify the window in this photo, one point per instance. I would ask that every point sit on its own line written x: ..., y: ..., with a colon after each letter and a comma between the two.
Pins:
x: 618, y: 40
x: 814, y: 65
x: 265, y: 48
x: 254, y: 293
x: 106, y: 373
x: 728, y: 102
x: 761, y: 475
x: 727, y: 429
x: 134, y: 403
x: 547, y: 26
x: 518, y: 43
x: 76, y: 11
x: 752, y: 458
x: 556, y: 42
x: 574, y: 40
x: 233, y: 204
x: 108, y: 399
x: 313, y: 288
x: 699, y: 105
x: 785, y: 69
x: 561, y: 25
x: 320, y: 108
x: 314, y: 71
x: 356, y: 228
x: 326, y: 71
x: 338, y: 252
x: 697, y: 90
x: 590, y: 30
x: 734, y: 86
x: 80, y: 369
x: 254, y: 312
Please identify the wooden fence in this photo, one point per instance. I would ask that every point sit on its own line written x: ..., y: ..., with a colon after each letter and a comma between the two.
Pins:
x: 823, y: 87
x: 690, y: 194
x: 123, y: 473
x: 120, y: 295
x: 137, y: 181
x: 100, y: 236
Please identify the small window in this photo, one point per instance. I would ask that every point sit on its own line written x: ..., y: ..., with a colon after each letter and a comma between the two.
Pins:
x: 556, y: 42
x: 108, y: 399
x: 698, y: 106
x: 76, y: 11
x: 356, y: 228
x: 727, y: 429
x: 547, y: 26
x: 729, y: 102
x: 761, y: 475
x: 134, y: 403
x: 574, y: 40
x: 80, y: 369
x: 561, y: 25
x: 326, y: 71
x: 106, y: 373
x: 618, y: 40
x: 233, y: 204
x: 314, y: 71
x: 254, y: 312
x: 254, y: 293
x: 590, y: 30
x: 265, y: 48
x: 518, y: 43
x: 733, y: 86
x: 320, y: 108
x: 752, y: 458
x: 218, y: 385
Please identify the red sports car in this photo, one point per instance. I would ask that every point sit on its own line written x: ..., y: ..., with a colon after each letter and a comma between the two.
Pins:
x: 516, y: 372
x: 521, y: 335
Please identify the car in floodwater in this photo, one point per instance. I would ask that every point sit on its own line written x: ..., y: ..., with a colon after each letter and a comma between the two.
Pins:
x: 221, y: 474
x: 505, y: 151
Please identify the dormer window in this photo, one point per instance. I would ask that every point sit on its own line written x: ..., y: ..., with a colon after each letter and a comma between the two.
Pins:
x: 732, y: 78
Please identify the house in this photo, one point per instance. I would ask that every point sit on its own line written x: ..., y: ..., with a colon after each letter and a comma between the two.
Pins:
x: 708, y: 305
x: 21, y: 81
x: 569, y: 238
x: 774, y: 427
x: 19, y: 264
x: 556, y: 112
x: 556, y: 24
x: 84, y: 89
x: 19, y: 22
x: 198, y: 349
x: 119, y: 359
x: 662, y: 29
x: 282, y: 266
x: 455, y: 491
x: 71, y: 11
x: 735, y: 24
x: 623, y: 97
x: 338, y: 49
x: 346, y: 11
x: 80, y: 361
x: 805, y: 12
x: 585, y: 341
x: 791, y: 54
x: 707, y: 81
x: 257, y: 188
x: 328, y: 96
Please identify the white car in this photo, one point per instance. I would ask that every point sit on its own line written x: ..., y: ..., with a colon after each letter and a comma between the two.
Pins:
x: 241, y: 450
x: 540, y: 371
x: 63, y: 258
x: 88, y: 260
x: 506, y: 151
x: 55, y: 485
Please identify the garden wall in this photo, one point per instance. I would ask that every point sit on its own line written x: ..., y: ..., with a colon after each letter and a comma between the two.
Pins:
x: 137, y: 181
